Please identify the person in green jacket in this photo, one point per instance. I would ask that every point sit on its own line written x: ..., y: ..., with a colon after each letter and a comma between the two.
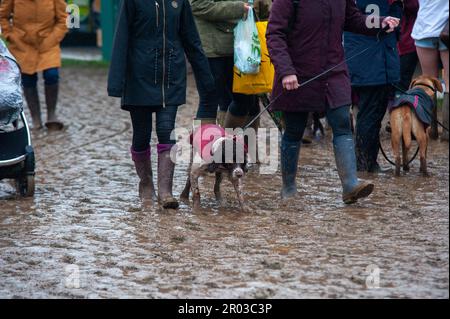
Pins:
x: 216, y: 20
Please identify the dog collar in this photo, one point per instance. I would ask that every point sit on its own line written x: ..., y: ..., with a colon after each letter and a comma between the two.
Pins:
x: 426, y: 85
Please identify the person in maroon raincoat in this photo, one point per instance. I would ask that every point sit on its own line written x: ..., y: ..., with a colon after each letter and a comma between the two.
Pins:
x: 302, y: 50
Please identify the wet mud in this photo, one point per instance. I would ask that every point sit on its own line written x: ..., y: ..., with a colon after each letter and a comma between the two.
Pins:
x: 85, y: 234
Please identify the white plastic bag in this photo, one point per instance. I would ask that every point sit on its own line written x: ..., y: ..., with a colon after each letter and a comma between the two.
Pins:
x: 11, y: 100
x: 247, y: 48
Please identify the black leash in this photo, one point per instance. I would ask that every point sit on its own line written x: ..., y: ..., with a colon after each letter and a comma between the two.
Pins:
x: 391, y: 162
x: 380, y: 36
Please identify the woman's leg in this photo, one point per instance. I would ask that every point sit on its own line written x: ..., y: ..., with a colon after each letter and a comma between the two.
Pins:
x: 51, y: 81
x: 227, y: 93
x: 207, y: 111
x: 429, y: 61
x: 29, y: 83
x: 290, y: 151
x: 344, y: 151
x: 445, y: 110
x: 141, y: 120
x: 237, y: 115
x: 254, y: 110
x: 141, y: 153
x: 165, y: 124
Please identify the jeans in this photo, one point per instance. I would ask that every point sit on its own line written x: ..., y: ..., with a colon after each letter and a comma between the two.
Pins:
x: 142, y: 118
x: 338, y: 118
x: 372, y: 107
x: 51, y: 77
x: 226, y: 100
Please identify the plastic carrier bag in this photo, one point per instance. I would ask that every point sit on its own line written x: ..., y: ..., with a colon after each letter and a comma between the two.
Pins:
x: 261, y: 82
x: 247, y: 48
x: 11, y: 99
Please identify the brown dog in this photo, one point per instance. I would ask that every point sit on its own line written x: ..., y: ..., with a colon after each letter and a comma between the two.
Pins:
x: 411, y: 115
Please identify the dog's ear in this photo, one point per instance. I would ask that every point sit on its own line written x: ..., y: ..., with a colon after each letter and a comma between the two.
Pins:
x: 437, y: 84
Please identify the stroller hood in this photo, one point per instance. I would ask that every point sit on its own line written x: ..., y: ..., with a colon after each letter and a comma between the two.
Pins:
x: 11, y: 99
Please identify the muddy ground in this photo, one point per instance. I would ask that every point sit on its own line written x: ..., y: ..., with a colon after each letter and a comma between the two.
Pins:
x: 85, y: 235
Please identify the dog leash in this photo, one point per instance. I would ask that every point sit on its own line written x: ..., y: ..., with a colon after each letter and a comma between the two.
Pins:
x: 381, y: 34
x: 394, y: 164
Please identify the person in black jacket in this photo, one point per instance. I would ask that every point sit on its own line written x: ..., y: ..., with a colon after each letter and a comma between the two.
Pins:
x: 148, y: 71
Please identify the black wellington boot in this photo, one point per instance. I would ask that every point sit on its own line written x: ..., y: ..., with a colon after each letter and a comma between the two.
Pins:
x: 32, y: 98
x: 290, y: 152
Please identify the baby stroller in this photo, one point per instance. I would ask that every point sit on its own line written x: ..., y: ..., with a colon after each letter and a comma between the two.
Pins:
x: 16, y: 153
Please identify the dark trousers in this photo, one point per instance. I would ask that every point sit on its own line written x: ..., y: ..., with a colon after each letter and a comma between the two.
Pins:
x: 51, y: 77
x: 142, y: 119
x: 338, y: 118
x: 408, y: 64
x: 226, y: 100
x: 372, y: 107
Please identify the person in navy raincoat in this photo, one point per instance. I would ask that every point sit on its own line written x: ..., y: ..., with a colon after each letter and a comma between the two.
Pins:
x: 148, y: 71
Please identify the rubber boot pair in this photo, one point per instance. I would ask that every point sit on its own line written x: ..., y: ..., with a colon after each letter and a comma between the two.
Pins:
x: 51, y: 99
x: 344, y: 151
x: 166, y: 167
x: 444, y: 136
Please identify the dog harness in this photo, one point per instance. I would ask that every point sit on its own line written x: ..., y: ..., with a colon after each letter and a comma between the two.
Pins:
x: 419, y: 101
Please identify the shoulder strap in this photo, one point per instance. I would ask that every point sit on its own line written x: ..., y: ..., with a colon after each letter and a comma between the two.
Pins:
x: 294, y: 16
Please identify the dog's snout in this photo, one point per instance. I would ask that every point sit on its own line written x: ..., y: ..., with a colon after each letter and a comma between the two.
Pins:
x: 238, y: 173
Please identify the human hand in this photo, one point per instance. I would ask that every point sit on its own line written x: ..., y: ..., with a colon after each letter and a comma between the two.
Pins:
x: 390, y: 22
x: 290, y: 82
x: 247, y: 8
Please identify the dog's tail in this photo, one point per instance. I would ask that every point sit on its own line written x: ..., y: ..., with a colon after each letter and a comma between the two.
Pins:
x: 407, y: 129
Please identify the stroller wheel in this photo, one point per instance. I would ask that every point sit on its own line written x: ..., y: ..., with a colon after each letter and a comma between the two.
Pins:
x: 26, y: 186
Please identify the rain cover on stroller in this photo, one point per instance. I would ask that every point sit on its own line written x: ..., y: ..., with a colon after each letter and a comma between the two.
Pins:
x: 11, y: 100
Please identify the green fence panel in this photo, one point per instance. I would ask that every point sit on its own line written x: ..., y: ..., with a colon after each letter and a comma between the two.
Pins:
x: 108, y: 20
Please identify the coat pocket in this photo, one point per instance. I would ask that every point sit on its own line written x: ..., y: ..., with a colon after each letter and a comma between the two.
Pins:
x: 176, y: 65
x: 145, y: 63
x: 16, y: 37
x: 47, y: 41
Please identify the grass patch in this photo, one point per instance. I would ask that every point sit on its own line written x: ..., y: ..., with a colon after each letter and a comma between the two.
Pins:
x: 71, y: 63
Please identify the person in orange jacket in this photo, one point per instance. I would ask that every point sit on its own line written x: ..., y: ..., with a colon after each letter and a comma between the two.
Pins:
x: 34, y: 30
